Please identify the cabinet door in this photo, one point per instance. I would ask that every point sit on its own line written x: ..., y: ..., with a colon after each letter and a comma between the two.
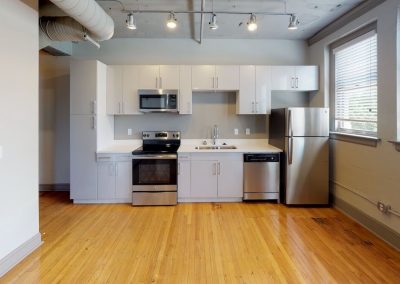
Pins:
x: 106, y: 180
x: 149, y: 77
x: 263, y: 90
x: 183, y: 179
x: 114, y: 89
x: 130, y: 88
x: 83, y: 81
x: 282, y: 78
x: 203, y: 179
x: 169, y: 77
x: 83, y: 165
x: 307, y: 78
x: 185, y: 89
x: 230, y: 178
x: 246, y: 95
x: 203, y: 77
x: 123, y: 172
x: 227, y: 77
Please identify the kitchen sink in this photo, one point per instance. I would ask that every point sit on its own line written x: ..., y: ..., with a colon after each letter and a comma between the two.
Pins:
x: 212, y: 147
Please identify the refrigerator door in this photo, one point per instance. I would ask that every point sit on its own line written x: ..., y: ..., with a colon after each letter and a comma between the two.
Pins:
x: 307, y: 170
x: 307, y: 122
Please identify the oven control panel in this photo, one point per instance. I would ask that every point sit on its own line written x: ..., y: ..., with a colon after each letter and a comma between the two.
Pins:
x: 161, y: 135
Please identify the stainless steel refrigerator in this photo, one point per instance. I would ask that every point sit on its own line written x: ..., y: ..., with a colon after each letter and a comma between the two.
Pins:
x: 303, y: 135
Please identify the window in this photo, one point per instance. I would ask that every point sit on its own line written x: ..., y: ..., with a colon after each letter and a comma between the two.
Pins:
x: 355, y: 85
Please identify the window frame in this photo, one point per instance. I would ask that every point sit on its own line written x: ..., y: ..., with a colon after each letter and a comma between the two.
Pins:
x: 345, y: 136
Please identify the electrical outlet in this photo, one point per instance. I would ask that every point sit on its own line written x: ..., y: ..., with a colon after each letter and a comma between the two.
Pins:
x: 236, y: 131
x: 130, y: 131
x: 247, y: 131
x: 384, y: 208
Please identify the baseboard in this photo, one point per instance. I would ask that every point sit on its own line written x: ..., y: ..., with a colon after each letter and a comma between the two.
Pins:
x: 54, y: 187
x: 371, y: 224
x: 102, y: 201
x: 225, y: 199
x: 17, y: 255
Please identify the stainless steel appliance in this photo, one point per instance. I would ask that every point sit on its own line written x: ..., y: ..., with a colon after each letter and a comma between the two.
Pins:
x: 303, y: 134
x: 261, y: 176
x: 154, y: 169
x: 158, y: 100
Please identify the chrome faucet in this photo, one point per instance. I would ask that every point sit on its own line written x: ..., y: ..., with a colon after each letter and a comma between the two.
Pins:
x: 215, y: 134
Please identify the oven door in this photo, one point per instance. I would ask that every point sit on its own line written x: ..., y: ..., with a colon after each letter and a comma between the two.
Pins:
x: 154, y: 173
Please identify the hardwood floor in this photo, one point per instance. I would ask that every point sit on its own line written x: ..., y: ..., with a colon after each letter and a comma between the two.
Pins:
x: 202, y: 243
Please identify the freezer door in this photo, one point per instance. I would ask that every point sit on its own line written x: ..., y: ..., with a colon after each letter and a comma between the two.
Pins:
x: 307, y: 122
x: 307, y: 170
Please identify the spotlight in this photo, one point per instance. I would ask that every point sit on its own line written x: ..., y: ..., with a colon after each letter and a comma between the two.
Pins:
x: 293, y: 22
x: 130, y: 22
x: 252, y: 23
x: 171, y: 22
x: 213, y: 23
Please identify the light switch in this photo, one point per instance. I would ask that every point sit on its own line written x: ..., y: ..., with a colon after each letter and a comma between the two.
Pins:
x: 247, y: 131
x: 130, y: 131
x: 236, y: 131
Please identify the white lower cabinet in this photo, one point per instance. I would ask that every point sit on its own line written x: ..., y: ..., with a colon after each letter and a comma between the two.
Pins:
x: 106, y: 180
x: 210, y: 177
x: 123, y: 180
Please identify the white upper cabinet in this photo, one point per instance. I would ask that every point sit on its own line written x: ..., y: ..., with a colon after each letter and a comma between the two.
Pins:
x: 294, y: 78
x: 130, y: 86
x: 114, y: 89
x: 203, y: 77
x: 158, y: 77
x: 83, y: 78
x: 215, y: 77
x: 254, y: 95
x: 185, y: 89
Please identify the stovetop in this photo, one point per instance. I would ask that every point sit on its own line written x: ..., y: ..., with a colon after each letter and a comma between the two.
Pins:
x: 159, y: 142
x: 140, y: 151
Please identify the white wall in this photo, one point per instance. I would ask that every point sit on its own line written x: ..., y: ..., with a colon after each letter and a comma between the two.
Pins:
x: 19, y: 216
x: 53, y: 119
x: 374, y: 172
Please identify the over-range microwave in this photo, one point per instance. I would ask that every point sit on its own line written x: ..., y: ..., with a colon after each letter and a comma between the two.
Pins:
x: 158, y: 100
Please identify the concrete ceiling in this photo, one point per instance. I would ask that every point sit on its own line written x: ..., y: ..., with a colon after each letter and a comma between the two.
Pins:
x: 313, y: 15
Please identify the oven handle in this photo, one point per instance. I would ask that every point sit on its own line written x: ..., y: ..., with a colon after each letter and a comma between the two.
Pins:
x: 152, y: 157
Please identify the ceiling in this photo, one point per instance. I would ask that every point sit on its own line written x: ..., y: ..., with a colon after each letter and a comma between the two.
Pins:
x: 313, y: 15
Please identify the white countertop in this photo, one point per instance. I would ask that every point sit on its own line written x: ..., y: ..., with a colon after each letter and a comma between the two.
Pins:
x: 188, y: 146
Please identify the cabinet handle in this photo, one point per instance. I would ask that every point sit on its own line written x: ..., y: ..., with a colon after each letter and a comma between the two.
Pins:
x: 252, y: 107
x: 256, y: 107
x: 219, y: 169
x: 160, y: 82
x: 156, y: 82
x: 292, y: 83
x: 213, y: 80
x: 93, y: 122
x: 119, y: 107
x: 93, y: 106
x: 123, y: 107
x: 214, y: 169
x: 217, y: 82
x: 297, y: 82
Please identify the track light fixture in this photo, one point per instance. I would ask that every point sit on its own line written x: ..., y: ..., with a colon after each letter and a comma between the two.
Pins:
x: 172, y: 22
x: 293, y: 22
x: 252, y: 23
x: 130, y: 22
x: 213, y: 23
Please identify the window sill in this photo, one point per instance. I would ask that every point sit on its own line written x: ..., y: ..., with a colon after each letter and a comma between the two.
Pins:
x: 354, y: 138
x: 396, y: 144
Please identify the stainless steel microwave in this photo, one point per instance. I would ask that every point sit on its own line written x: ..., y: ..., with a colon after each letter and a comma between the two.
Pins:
x: 158, y: 100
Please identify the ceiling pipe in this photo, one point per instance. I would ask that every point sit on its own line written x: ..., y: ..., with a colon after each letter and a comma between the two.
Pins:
x: 202, y: 21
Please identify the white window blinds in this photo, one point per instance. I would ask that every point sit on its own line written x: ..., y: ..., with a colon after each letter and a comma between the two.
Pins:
x: 356, y: 77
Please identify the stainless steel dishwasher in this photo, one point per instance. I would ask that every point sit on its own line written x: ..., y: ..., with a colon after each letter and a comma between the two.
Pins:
x: 261, y: 176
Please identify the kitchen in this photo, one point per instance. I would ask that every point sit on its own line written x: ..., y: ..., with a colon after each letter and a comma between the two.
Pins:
x: 102, y: 158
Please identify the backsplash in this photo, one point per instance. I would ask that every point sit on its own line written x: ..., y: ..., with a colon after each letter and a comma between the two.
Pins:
x: 208, y: 109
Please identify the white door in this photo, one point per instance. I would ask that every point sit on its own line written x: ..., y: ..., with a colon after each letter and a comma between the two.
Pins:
x: 263, y: 90
x: 106, y: 180
x: 130, y: 83
x: 123, y: 172
x: 227, y: 77
x: 282, y: 78
x: 230, y: 178
x: 246, y: 95
x: 203, y: 77
x: 185, y: 89
x: 169, y: 77
x: 307, y: 78
x: 203, y: 179
x: 83, y: 81
x: 114, y: 89
x: 183, y: 179
x: 83, y: 165
x: 149, y: 77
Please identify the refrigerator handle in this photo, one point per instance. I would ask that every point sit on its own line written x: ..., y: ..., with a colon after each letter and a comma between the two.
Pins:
x: 290, y: 129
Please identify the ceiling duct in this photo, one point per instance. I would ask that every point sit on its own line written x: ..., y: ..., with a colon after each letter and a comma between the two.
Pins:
x: 86, y: 21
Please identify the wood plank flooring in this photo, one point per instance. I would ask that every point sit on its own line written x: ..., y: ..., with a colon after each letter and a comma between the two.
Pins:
x: 202, y: 243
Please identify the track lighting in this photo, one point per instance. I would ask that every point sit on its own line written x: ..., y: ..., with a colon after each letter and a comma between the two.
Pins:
x: 130, y: 22
x: 213, y: 23
x: 293, y: 22
x: 172, y: 22
x: 252, y: 23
